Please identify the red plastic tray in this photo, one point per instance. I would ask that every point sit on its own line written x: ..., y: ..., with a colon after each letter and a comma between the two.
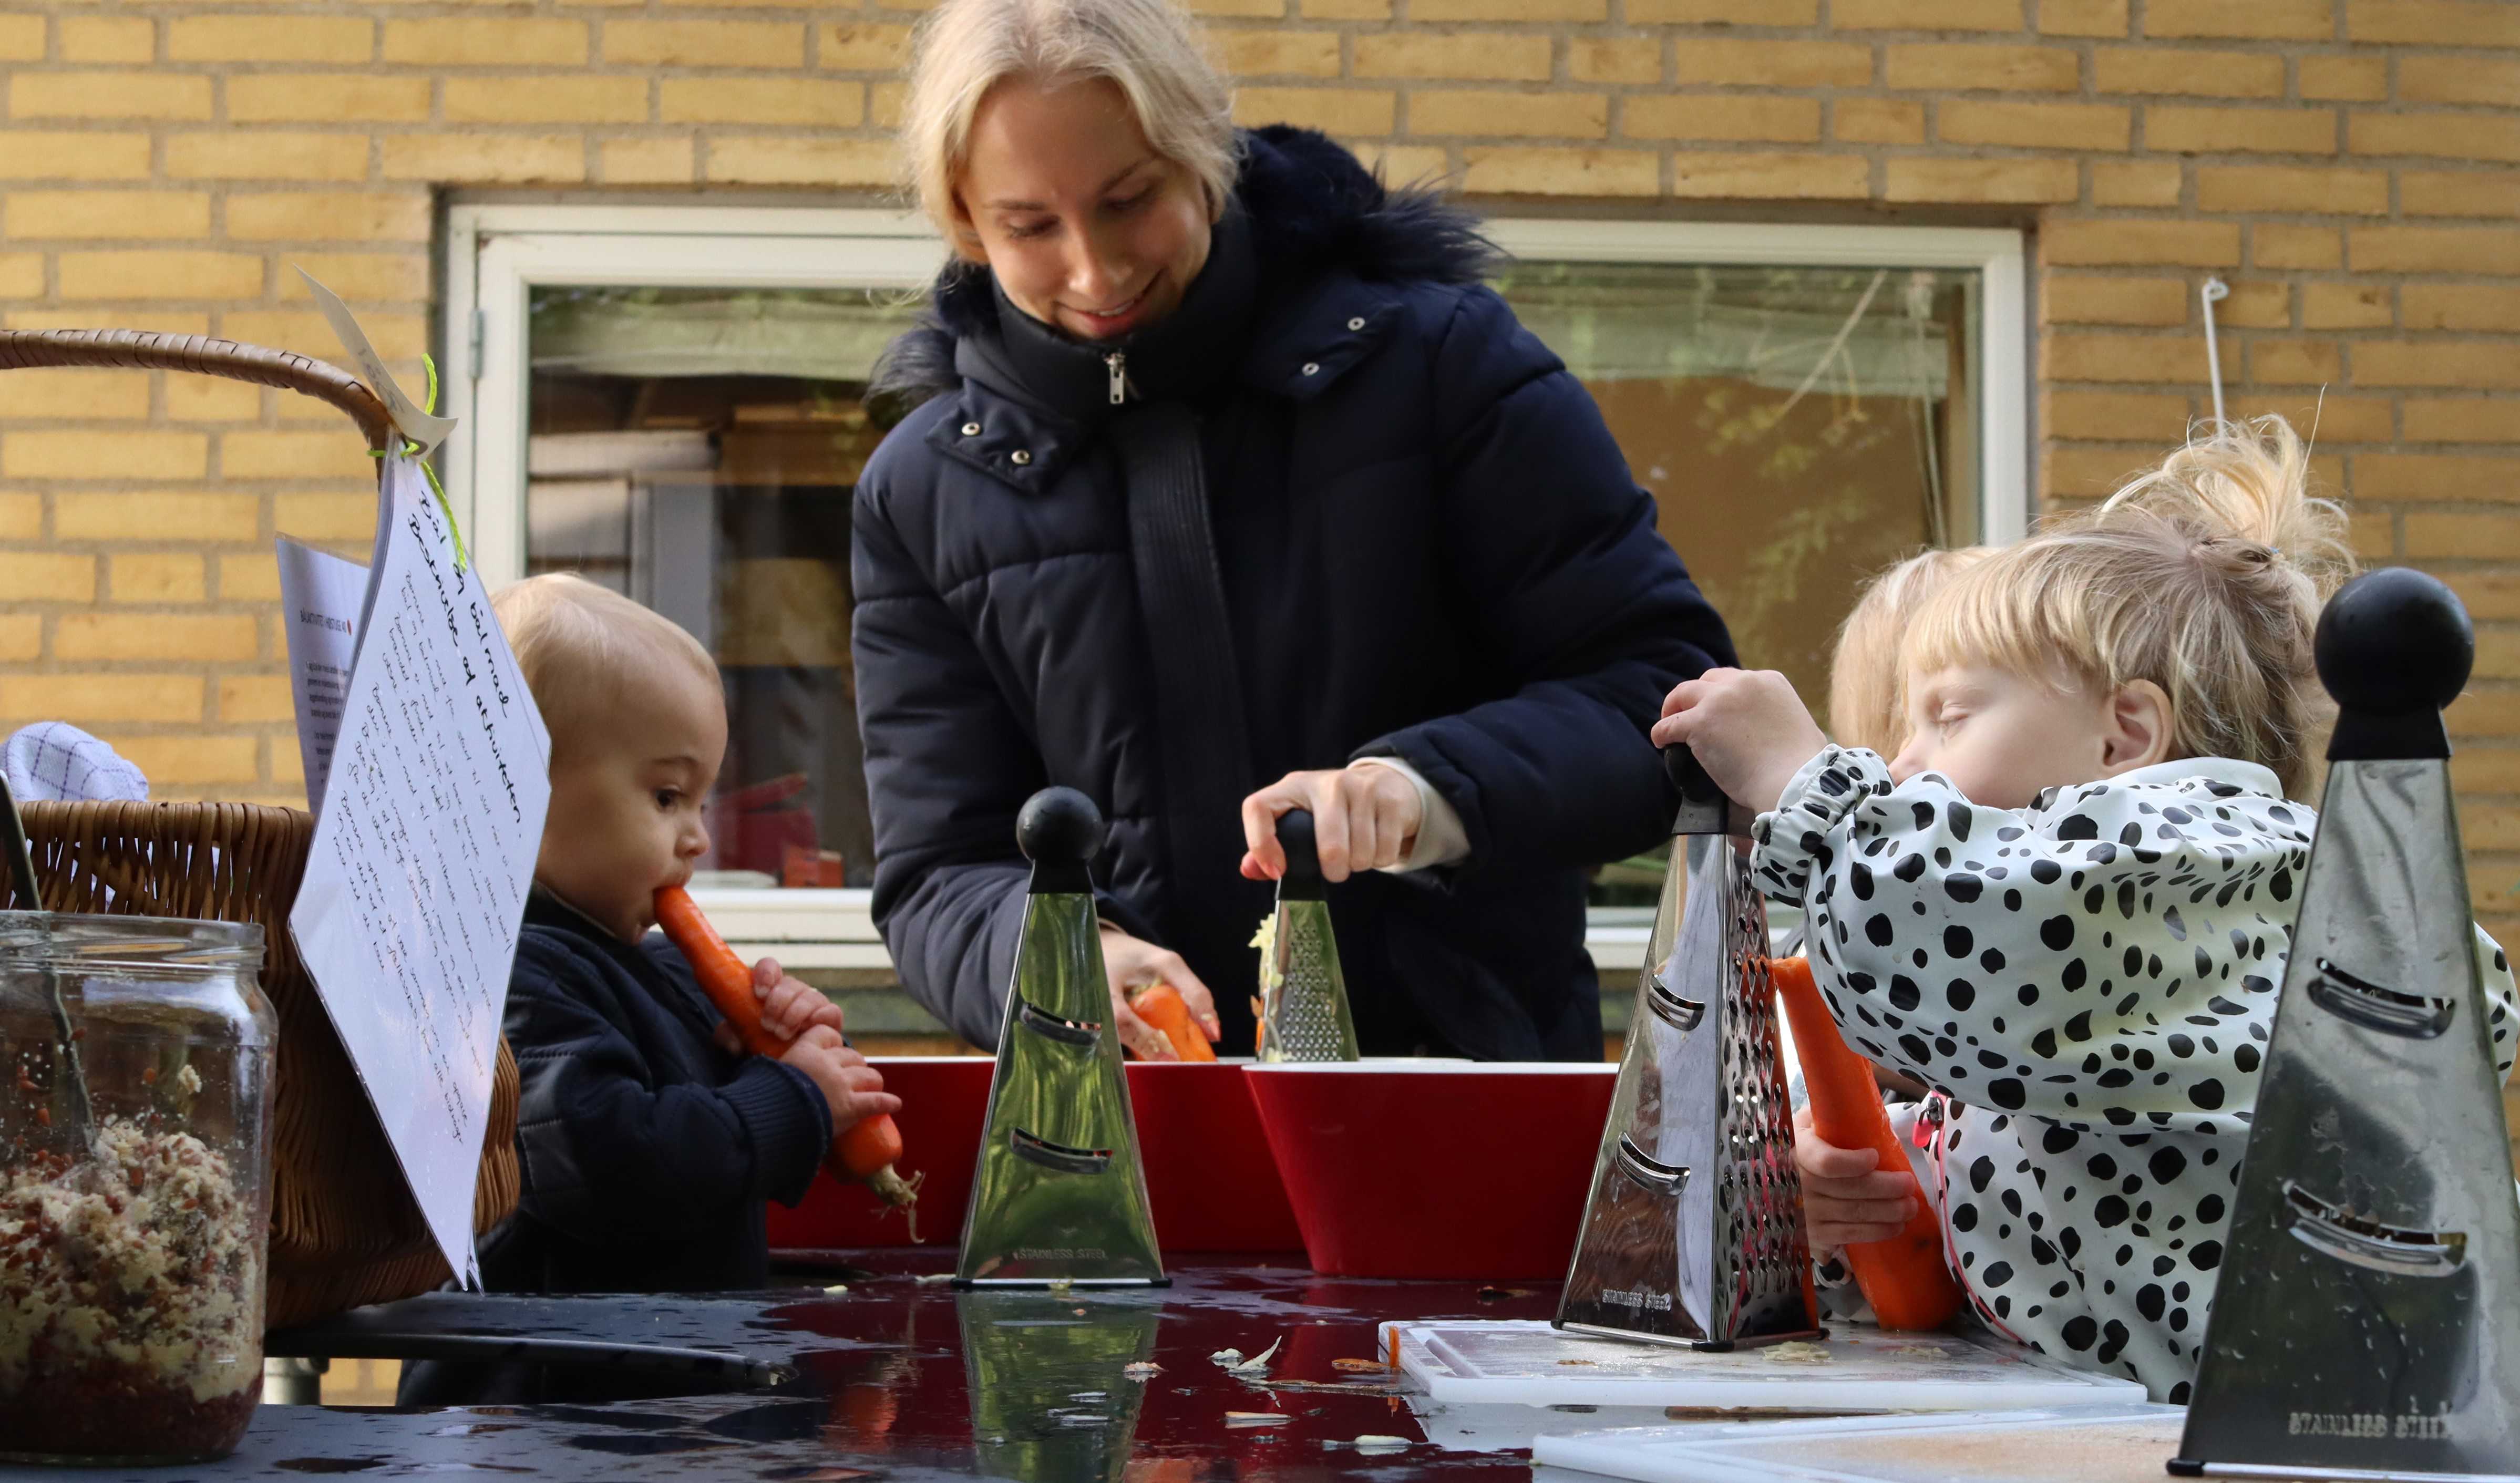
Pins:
x: 1436, y: 1169
x: 1210, y: 1176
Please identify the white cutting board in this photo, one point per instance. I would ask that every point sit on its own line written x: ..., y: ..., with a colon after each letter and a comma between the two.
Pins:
x: 2116, y: 1443
x: 1859, y: 1368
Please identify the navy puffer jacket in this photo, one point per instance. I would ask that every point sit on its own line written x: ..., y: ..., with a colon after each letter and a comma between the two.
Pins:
x: 1428, y: 547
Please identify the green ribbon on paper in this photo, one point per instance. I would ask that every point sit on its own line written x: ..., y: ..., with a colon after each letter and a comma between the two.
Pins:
x: 445, y: 506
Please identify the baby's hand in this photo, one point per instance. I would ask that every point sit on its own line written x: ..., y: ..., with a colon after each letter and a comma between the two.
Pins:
x: 852, y: 1088
x: 788, y: 1005
x: 1847, y: 1199
x: 1749, y: 730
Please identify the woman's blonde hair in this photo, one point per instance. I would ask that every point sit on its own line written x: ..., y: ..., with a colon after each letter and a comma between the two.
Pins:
x: 580, y: 648
x: 2204, y: 576
x: 1866, y: 678
x: 1149, y: 49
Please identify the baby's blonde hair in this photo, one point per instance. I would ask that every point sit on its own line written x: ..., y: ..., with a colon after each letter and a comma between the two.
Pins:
x: 582, y: 645
x: 1867, y: 679
x: 1149, y: 49
x: 2204, y: 576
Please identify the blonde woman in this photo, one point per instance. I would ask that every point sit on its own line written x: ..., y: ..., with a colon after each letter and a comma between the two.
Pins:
x: 1223, y: 468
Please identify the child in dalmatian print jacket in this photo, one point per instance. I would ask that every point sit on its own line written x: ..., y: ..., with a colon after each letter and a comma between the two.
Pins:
x: 2065, y: 906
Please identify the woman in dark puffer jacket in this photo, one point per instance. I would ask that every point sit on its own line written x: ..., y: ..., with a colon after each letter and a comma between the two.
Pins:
x: 1223, y: 467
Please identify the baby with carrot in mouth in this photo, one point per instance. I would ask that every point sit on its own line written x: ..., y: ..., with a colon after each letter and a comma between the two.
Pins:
x: 649, y: 1143
x: 2064, y: 906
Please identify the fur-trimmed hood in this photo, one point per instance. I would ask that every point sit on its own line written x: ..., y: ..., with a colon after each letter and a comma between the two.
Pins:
x: 1313, y: 208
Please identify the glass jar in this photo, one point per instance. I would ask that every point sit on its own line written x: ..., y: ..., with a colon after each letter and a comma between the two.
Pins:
x: 135, y: 1219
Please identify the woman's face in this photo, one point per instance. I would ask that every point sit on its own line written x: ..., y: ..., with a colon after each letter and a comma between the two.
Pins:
x: 1087, y: 228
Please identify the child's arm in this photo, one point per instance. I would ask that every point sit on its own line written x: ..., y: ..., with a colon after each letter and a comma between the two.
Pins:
x: 609, y: 1155
x: 2109, y: 957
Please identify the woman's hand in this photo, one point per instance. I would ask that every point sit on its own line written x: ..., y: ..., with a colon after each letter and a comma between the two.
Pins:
x: 1364, y: 817
x: 1133, y: 963
x: 1748, y: 728
x: 1847, y: 1198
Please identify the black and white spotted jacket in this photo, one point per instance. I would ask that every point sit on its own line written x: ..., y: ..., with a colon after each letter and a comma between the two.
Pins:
x: 2089, y: 983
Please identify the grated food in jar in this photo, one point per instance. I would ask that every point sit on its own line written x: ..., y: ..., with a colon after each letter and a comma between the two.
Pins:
x: 130, y: 1299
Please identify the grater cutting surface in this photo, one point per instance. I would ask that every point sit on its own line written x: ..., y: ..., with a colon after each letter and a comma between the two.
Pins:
x: 1307, y: 1006
x: 1759, y: 1193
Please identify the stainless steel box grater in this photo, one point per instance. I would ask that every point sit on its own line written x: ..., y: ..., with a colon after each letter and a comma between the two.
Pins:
x: 1059, y: 1194
x: 2367, y: 1319
x: 1693, y: 1234
x: 1303, y: 996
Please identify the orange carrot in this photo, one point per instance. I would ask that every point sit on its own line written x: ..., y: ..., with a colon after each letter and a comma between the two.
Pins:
x: 1904, y: 1278
x: 868, y: 1148
x: 1160, y: 1005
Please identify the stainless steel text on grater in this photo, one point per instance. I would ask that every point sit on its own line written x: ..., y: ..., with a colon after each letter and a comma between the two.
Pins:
x: 1303, y: 999
x: 2367, y: 1319
x: 1059, y: 1194
x: 1693, y: 1234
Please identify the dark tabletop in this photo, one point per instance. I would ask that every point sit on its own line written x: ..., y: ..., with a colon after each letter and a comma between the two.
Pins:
x: 900, y: 1379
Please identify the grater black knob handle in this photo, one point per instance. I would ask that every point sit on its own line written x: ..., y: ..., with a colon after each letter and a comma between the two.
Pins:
x: 1304, y: 878
x: 2393, y: 646
x: 1681, y: 765
x: 1059, y: 830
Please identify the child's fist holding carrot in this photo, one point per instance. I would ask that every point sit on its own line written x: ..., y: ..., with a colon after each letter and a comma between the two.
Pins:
x: 853, y: 1089
x: 1847, y: 1197
x: 788, y: 1007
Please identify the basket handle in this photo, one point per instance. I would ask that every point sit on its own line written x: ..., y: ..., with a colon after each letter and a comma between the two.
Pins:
x: 226, y: 358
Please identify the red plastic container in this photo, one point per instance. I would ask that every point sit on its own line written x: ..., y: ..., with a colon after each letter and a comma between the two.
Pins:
x: 945, y: 1100
x: 1210, y: 1176
x: 1436, y: 1169
x: 1209, y: 1173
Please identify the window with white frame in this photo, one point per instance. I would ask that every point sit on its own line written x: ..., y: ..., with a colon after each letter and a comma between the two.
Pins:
x: 672, y: 401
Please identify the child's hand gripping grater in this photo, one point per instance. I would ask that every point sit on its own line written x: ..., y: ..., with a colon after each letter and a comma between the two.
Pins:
x: 2368, y: 1320
x: 1303, y: 999
x: 1059, y: 1194
x: 1693, y: 1234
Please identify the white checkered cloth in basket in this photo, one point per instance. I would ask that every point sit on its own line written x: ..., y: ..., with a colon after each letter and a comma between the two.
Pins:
x: 54, y: 760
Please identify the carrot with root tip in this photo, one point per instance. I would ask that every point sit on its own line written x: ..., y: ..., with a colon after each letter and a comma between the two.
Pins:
x: 1160, y: 1006
x: 1904, y: 1278
x: 866, y: 1150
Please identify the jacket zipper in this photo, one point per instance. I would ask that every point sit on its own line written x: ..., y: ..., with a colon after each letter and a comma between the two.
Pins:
x: 1119, y: 361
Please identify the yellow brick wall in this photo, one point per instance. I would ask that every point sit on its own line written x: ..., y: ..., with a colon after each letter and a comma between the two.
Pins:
x: 2350, y: 166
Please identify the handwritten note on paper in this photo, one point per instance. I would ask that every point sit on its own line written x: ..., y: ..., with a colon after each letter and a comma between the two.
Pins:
x: 321, y: 598
x: 424, y: 851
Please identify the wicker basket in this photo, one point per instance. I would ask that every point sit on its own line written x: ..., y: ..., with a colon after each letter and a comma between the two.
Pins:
x: 344, y: 1229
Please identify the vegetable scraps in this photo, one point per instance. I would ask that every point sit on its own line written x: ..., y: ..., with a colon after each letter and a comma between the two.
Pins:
x: 1271, y: 978
x: 868, y: 1150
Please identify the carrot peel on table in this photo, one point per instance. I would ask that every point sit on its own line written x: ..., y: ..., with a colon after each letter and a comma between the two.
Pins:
x: 870, y: 1148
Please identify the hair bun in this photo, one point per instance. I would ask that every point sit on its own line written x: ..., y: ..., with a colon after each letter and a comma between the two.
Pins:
x: 2246, y: 482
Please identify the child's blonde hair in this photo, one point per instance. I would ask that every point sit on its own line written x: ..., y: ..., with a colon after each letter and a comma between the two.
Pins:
x: 1867, y: 679
x: 2204, y: 576
x: 581, y: 646
x: 1149, y: 49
